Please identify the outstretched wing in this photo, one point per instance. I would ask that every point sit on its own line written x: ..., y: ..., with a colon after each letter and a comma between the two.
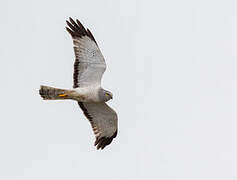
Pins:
x: 103, y: 120
x: 89, y: 65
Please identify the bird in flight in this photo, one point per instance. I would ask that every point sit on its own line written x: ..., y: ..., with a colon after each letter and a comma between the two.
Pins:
x: 89, y: 67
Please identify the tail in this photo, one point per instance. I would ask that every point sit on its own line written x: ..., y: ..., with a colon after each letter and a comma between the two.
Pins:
x: 50, y: 93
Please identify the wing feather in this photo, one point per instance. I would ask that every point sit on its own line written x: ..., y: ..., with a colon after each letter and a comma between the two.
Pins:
x: 103, y: 120
x: 89, y: 65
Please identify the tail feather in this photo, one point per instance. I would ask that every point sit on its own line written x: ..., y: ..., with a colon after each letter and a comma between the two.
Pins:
x: 50, y: 93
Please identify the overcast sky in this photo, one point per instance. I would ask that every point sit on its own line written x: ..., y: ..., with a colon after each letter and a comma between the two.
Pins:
x: 171, y: 65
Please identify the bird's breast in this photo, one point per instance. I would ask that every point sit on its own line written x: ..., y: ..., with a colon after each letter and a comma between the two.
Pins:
x: 87, y: 95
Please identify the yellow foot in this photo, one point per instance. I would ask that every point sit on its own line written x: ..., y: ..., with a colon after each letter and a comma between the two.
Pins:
x: 62, y: 95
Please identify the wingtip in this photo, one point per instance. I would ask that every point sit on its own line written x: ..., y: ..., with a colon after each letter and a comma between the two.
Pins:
x: 68, y: 22
x: 102, y: 142
x: 78, y: 30
x: 70, y: 19
x: 69, y: 31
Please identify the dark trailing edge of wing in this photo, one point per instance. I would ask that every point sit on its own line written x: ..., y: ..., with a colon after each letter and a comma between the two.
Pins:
x: 100, y: 142
x: 77, y: 30
x: 75, y: 74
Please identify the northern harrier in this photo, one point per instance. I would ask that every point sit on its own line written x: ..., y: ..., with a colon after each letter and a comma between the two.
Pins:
x: 89, y: 67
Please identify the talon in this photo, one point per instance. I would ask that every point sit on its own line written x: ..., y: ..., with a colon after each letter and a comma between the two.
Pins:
x: 62, y: 95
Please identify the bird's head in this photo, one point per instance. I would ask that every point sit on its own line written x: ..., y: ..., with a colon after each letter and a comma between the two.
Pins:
x: 105, y: 95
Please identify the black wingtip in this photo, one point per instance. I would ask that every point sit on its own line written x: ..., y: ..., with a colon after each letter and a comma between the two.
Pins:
x: 102, y: 142
x: 76, y: 29
x: 70, y: 19
x: 69, y: 31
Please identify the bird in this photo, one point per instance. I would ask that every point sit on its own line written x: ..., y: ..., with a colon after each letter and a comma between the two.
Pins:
x: 89, y: 67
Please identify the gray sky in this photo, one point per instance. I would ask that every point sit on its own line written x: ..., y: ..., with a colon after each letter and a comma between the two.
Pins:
x: 172, y: 70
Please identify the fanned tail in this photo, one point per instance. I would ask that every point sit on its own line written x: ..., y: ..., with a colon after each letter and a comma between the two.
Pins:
x: 51, y: 93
